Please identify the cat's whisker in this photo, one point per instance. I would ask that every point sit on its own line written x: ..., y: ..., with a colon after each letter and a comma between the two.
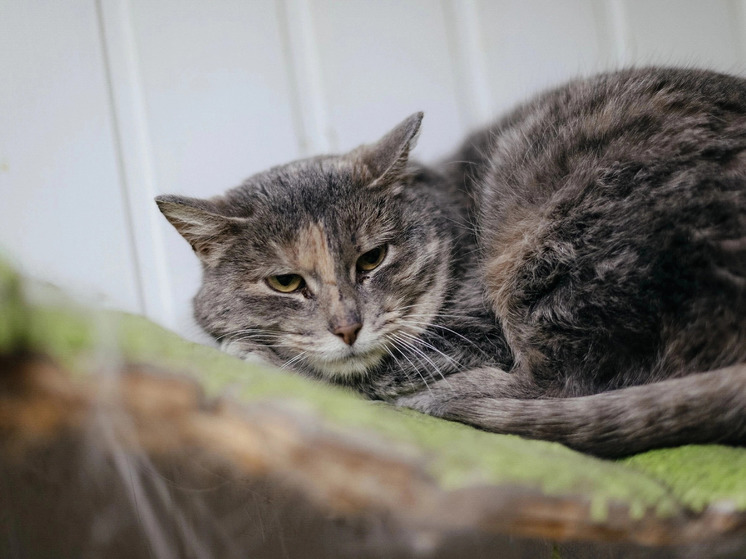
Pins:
x: 262, y: 334
x: 300, y: 364
x: 438, y: 315
x: 416, y: 351
x: 403, y: 308
x: 297, y: 359
x: 475, y: 250
x: 424, y: 355
x: 262, y: 331
x: 294, y: 359
x: 429, y: 324
x: 258, y: 338
x: 391, y: 353
x: 462, y: 223
x: 432, y: 347
x: 414, y: 367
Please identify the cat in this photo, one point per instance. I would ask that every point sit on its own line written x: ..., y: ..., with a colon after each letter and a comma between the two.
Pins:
x: 562, y: 276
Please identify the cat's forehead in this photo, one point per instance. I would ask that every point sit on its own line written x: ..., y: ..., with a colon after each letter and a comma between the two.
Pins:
x: 314, y: 176
x: 331, y: 190
x: 324, y: 249
x: 318, y: 244
x: 311, y: 251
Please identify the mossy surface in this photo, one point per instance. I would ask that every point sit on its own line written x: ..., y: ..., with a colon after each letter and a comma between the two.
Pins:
x: 698, y: 475
x: 456, y: 455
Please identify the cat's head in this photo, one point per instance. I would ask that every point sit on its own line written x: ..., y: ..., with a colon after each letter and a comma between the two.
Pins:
x: 324, y: 264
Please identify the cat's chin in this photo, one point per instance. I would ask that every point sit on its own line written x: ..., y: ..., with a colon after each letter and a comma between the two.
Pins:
x: 348, y: 367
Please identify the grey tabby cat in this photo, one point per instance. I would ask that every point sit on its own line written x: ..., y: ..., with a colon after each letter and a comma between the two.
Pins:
x: 562, y: 277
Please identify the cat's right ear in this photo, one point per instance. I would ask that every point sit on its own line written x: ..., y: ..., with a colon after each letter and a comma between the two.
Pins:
x: 197, y: 221
x: 387, y: 159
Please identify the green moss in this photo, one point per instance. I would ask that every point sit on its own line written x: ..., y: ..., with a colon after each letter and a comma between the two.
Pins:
x: 698, y: 475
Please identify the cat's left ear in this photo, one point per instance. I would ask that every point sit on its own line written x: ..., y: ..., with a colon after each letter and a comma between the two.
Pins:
x: 199, y: 222
x: 387, y: 159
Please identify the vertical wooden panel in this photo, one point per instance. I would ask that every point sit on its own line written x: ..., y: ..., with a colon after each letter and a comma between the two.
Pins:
x: 683, y: 32
x: 62, y: 213
x: 382, y: 61
x: 614, y: 25
x: 135, y: 157
x: 217, y: 103
x: 467, y: 45
x: 533, y: 44
x: 737, y: 10
x: 305, y: 73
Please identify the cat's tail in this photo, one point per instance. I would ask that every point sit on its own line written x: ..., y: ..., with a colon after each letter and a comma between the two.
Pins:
x: 701, y: 408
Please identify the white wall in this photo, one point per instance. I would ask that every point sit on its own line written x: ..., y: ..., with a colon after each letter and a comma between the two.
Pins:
x: 104, y: 104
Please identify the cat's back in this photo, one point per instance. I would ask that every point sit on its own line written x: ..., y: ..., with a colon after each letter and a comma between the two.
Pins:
x: 612, y: 218
x: 654, y: 118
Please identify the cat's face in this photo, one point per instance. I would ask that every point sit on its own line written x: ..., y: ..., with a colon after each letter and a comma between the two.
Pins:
x: 323, y: 265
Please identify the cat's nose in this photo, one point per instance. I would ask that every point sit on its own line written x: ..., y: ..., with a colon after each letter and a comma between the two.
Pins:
x: 348, y: 332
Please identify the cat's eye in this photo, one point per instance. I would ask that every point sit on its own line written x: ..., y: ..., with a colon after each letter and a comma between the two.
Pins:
x: 371, y: 259
x: 286, y: 283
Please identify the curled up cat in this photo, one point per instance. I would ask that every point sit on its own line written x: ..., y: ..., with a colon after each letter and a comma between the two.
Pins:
x: 575, y: 272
